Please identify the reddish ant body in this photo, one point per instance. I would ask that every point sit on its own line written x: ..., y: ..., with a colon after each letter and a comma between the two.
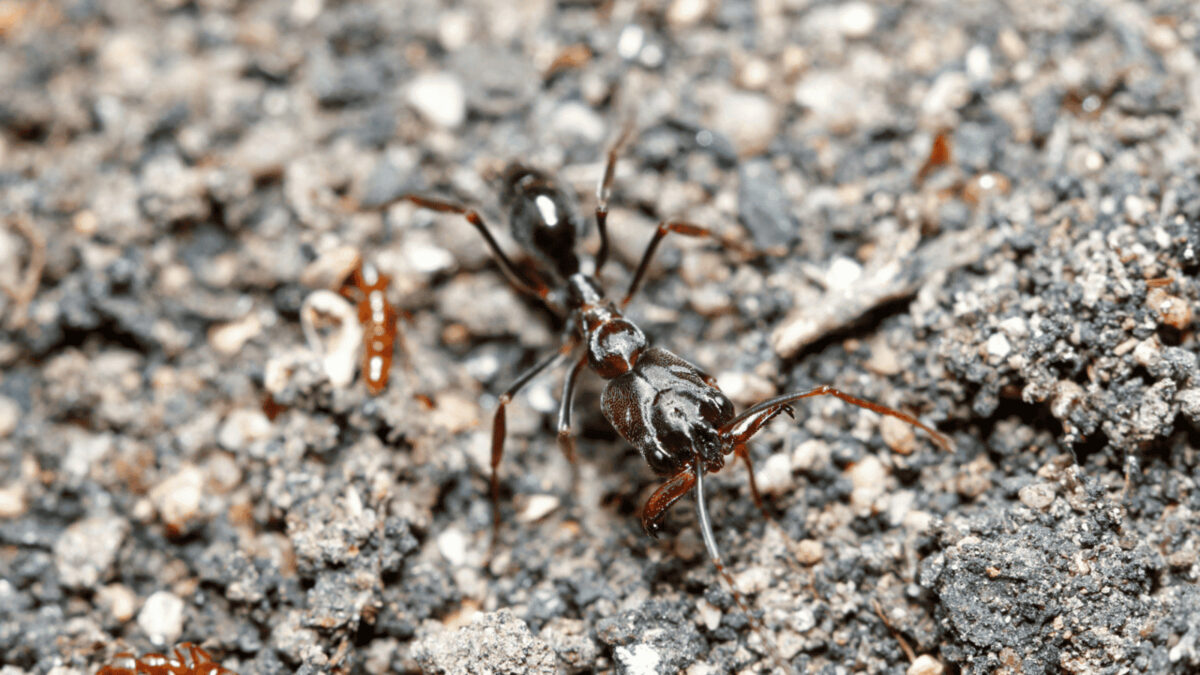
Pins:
x: 187, y: 659
x: 667, y: 408
x: 367, y: 288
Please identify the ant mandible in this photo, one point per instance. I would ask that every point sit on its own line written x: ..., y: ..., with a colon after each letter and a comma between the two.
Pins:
x: 667, y: 408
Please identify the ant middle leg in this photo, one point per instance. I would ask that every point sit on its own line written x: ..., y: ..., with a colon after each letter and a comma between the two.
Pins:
x: 534, y: 287
x: 664, y: 228
x: 566, y: 439
x: 500, y: 428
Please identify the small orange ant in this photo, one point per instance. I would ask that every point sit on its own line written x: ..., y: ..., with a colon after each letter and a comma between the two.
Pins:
x: 367, y: 288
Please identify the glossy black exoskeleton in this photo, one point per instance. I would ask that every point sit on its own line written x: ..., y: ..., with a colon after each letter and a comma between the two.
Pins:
x: 667, y: 408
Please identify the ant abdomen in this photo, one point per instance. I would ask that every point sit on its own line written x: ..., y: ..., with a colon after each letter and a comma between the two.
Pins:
x: 544, y: 219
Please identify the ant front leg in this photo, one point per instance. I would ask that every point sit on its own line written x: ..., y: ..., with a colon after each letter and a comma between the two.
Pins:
x: 741, y: 428
x: 534, y: 287
x: 664, y: 497
x: 664, y: 228
x: 566, y: 440
x: 500, y: 428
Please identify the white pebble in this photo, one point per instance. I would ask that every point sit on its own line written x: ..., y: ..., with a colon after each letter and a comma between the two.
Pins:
x: 243, y: 427
x: 775, y: 475
x: 85, y: 551
x: 537, y: 507
x: 161, y: 618
x: 998, y: 346
x: 640, y: 660
x: 576, y: 121
x: 229, y: 338
x: 12, y: 500
x: 178, y: 498
x: 749, y: 120
x: 811, y: 455
x: 868, y: 478
x: 856, y: 19
x: 842, y: 274
x: 439, y: 98
x: 452, y: 544
x: 683, y: 13
x: 118, y: 600
x: 925, y: 665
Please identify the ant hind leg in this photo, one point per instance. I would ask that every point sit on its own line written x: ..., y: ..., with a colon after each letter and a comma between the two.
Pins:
x: 500, y: 428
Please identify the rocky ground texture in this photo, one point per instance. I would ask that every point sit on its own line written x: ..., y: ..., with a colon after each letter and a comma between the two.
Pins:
x: 177, y: 463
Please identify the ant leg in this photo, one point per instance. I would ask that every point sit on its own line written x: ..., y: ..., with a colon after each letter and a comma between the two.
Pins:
x: 663, y: 498
x: 742, y: 451
x: 710, y: 543
x: 745, y: 425
x: 536, y: 287
x: 604, y: 191
x: 500, y: 427
x: 664, y: 228
x: 566, y: 441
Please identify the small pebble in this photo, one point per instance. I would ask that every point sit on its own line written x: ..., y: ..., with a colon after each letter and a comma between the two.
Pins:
x: 1037, y: 496
x: 856, y: 20
x: 774, y: 476
x: 749, y: 120
x: 161, y: 618
x: 178, y: 498
x: 536, y: 507
x: 842, y: 274
x: 684, y: 13
x: 1173, y: 311
x: 87, y: 549
x: 898, y: 435
x: 641, y: 659
x: 809, y: 551
x: 710, y: 615
x: 452, y: 544
x: 118, y: 601
x: 243, y: 427
x: 12, y: 500
x: 229, y: 338
x: 10, y: 414
x: 803, y: 620
x: 439, y: 98
x: 811, y: 455
x: 998, y: 347
x: 1189, y: 403
x: 925, y: 665
x: 331, y: 269
x: 868, y: 477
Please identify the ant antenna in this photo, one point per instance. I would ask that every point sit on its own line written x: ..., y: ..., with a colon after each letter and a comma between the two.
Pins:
x: 710, y: 543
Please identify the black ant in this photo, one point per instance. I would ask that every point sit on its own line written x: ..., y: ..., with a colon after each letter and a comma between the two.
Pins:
x: 667, y: 408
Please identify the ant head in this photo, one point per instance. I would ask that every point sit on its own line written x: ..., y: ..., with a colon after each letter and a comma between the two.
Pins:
x: 685, y: 420
x: 614, y: 347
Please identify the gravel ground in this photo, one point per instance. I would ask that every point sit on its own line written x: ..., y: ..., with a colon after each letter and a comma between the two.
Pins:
x: 176, y: 464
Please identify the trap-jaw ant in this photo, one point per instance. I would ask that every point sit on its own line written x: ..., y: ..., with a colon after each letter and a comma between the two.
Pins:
x: 667, y: 408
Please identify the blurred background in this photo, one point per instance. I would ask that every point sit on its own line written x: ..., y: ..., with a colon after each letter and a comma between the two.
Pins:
x: 985, y: 213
